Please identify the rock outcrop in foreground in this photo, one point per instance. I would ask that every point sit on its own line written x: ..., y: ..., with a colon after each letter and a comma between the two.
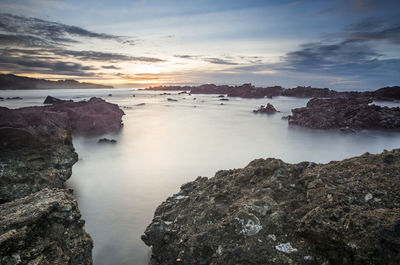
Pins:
x: 271, y: 212
x: 43, y: 228
x: 344, y: 113
x: 35, y: 151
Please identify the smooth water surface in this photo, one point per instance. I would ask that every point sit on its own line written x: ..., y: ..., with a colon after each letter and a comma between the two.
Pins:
x: 164, y: 144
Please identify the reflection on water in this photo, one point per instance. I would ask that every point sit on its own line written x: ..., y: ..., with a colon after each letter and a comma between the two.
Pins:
x: 165, y: 144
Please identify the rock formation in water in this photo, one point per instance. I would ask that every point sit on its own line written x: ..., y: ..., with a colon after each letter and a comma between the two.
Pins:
x: 354, y: 113
x: 92, y: 117
x: 250, y: 91
x: 271, y: 212
x: 44, y: 228
x: 53, y: 100
x: 9, y: 81
x: 269, y: 109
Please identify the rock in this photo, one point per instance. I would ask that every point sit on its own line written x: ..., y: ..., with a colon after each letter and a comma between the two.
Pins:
x: 269, y: 109
x: 309, y: 92
x: 271, y: 212
x: 13, y: 98
x: 53, y: 100
x: 347, y: 113
x: 224, y: 99
x: 182, y: 92
x: 106, y: 141
x: 140, y: 104
x: 110, y: 95
x: 35, y: 151
x: 133, y: 95
x: 44, y: 228
x: 92, y: 117
x: 171, y: 99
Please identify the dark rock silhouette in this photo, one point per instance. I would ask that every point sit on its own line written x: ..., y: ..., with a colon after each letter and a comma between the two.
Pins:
x: 356, y: 113
x: 271, y: 212
x: 171, y: 99
x: 92, y: 117
x: 9, y: 81
x: 269, y: 109
x: 106, y: 141
x: 53, y: 100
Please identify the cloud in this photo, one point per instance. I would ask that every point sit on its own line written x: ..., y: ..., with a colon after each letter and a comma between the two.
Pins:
x: 20, y: 30
x: 34, y: 65
x: 219, y: 61
x: 373, y: 29
x: 110, y: 67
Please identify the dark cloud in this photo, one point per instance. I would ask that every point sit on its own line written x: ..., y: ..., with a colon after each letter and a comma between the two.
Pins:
x: 34, y: 32
x: 34, y: 65
x: 219, y: 61
x: 185, y: 56
x: 81, y: 55
x: 373, y: 29
x: 113, y: 67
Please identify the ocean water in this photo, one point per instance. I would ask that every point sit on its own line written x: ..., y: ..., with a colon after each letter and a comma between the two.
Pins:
x: 164, y: 144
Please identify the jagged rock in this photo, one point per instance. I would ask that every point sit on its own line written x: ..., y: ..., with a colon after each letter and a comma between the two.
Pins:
x: 44, y: 228
x: 354, y: 114
x: 106, y: 141
x: 269, y: 109
x: 92, y: 117
x: 271, y: 212
x: 35, y: 151
x: 53, y: 100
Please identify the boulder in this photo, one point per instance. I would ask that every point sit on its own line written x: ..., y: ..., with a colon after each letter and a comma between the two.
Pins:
x: 92, y: 117
x: 44, y: 228
x: 269, y: 109
x: 53, y: 100
x: 350, y: 113
x: 272, y: 212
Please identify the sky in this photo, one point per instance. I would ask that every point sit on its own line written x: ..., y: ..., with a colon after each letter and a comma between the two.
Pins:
x: 342, y: 44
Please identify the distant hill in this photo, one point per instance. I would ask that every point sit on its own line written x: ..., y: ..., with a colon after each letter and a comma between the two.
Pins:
x: 9, y: 81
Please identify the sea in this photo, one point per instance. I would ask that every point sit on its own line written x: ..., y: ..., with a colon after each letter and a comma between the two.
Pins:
x: 164, y: 144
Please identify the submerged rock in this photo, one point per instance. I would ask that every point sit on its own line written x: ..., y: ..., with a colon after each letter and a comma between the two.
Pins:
x: 44, y: 228
x: 350, y: 114
x: 106, y: 141
x: 172, y: 99
x: 269, y: 109
x: 271, y: 212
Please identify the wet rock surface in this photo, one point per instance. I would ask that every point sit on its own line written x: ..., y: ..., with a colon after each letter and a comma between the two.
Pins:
x: 348, y: 114
x: 43, y: 228
x: 271, y: 212
x: 269, y: 109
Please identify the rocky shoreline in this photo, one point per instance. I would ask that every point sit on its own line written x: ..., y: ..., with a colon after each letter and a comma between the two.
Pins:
x: 40, y: 221
x: 250, y: 91
x: 272, y: 212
